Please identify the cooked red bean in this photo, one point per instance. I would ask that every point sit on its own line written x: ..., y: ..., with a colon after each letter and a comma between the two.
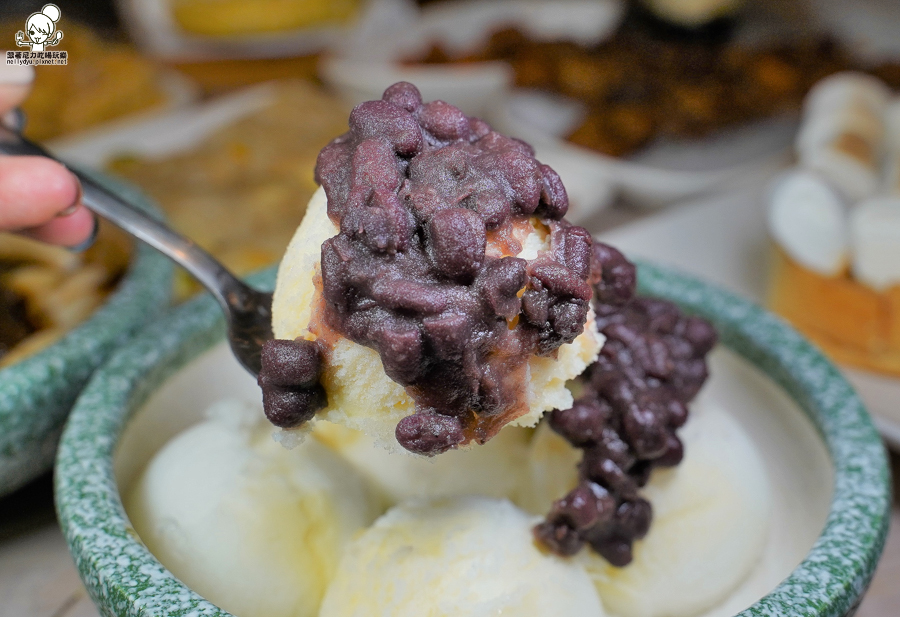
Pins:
x: 415, y: 188
x: 635, y: 397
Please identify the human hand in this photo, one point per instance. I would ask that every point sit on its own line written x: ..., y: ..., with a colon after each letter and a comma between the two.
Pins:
x: 39, y: 198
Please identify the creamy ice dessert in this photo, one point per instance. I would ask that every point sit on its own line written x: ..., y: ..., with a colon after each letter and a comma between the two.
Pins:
x: 230, y: 512
x: 433, y: 295
x: 256, y: 528
x: 463, y: 556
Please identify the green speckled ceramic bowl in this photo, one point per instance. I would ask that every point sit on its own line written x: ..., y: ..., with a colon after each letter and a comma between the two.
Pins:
x: 37, y: 393
x: 835, y: 566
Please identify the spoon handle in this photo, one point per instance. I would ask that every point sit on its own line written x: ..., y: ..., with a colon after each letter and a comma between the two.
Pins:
x: 227, y: 288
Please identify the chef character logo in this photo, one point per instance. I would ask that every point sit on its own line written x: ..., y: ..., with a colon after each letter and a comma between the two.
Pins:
x: 40, y: 33
x: 41, y: 28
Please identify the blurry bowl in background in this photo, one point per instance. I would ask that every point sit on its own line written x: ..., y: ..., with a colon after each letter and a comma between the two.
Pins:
x: 37, y: 392
x: 384, y: 50
x: 474, y: 88
x: 380, y: 52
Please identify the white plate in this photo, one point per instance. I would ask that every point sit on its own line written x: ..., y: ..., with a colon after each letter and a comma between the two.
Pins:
x: 160, y: 134
x: 724, y: 240
x: 663, y: 173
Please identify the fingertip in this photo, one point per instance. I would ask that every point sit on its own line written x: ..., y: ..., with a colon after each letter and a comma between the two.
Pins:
x: 75, y: 231
x: 33, y: 189
x: 51, y: 181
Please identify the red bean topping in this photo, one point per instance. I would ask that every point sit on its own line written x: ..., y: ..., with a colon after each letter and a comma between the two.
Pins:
x: 404, y: 95
x: 428, y: 299
x: 635, y: 396
x: 429, y: 434
x: 554, y: 199
x: 388, y: 121
x: 567, y: 320
x: 524, y: 176
x: 678, y: 411
x: 291, y: 363
x: 614, y: 278
x: 377, y: 229
x: 414, y: 188
x: 561, y: 281
x: 478, y: 128
x: 673, y: 453
x: 584, y: 507
x: 289, y: 408
x: 700, y: 334
x: 633, y: 517
x: 444, y: 121
x: 615, y: 550
x: 448, y: 334
x: 457, y: 243
x: 583, y: 423
x: 645, y: 432
x: 536, y: 306
x: 559, y: 537
x: 500, y: 282
x: 289, y: 379
x: 493, y: 207
x: 572, y: 247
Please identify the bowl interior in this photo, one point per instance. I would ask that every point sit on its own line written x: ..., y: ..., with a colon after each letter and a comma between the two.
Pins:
x: 825, y: 461
x: 797, y: 463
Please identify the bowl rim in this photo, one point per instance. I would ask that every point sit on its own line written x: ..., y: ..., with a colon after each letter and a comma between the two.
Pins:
x: 122, y: 576
x: 47, y: 382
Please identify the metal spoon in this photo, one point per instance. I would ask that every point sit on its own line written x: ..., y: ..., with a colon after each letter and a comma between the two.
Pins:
x: 248, y: 312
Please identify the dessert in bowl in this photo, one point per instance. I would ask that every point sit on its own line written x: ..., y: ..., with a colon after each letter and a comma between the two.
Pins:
x: 824, y: 460
x: 463, y: 335
x: 835, y: 222
x: 80, y: 321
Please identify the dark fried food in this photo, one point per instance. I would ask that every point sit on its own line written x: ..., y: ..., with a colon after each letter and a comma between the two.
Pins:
x: 639, y: 86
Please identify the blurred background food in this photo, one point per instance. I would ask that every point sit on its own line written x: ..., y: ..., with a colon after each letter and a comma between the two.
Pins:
x: 637, y: 87
x: 45, y: 290
x: 103, y: 80
x: 657, y: 79
x: 242, y: 192
x: 240, y: 17
x: 835, y: 221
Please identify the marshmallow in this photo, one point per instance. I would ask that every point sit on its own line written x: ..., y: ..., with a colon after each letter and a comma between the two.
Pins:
x: 849, y: 162
x: 807, y: 218
x: 846, y: 89
x: 875, y: 238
